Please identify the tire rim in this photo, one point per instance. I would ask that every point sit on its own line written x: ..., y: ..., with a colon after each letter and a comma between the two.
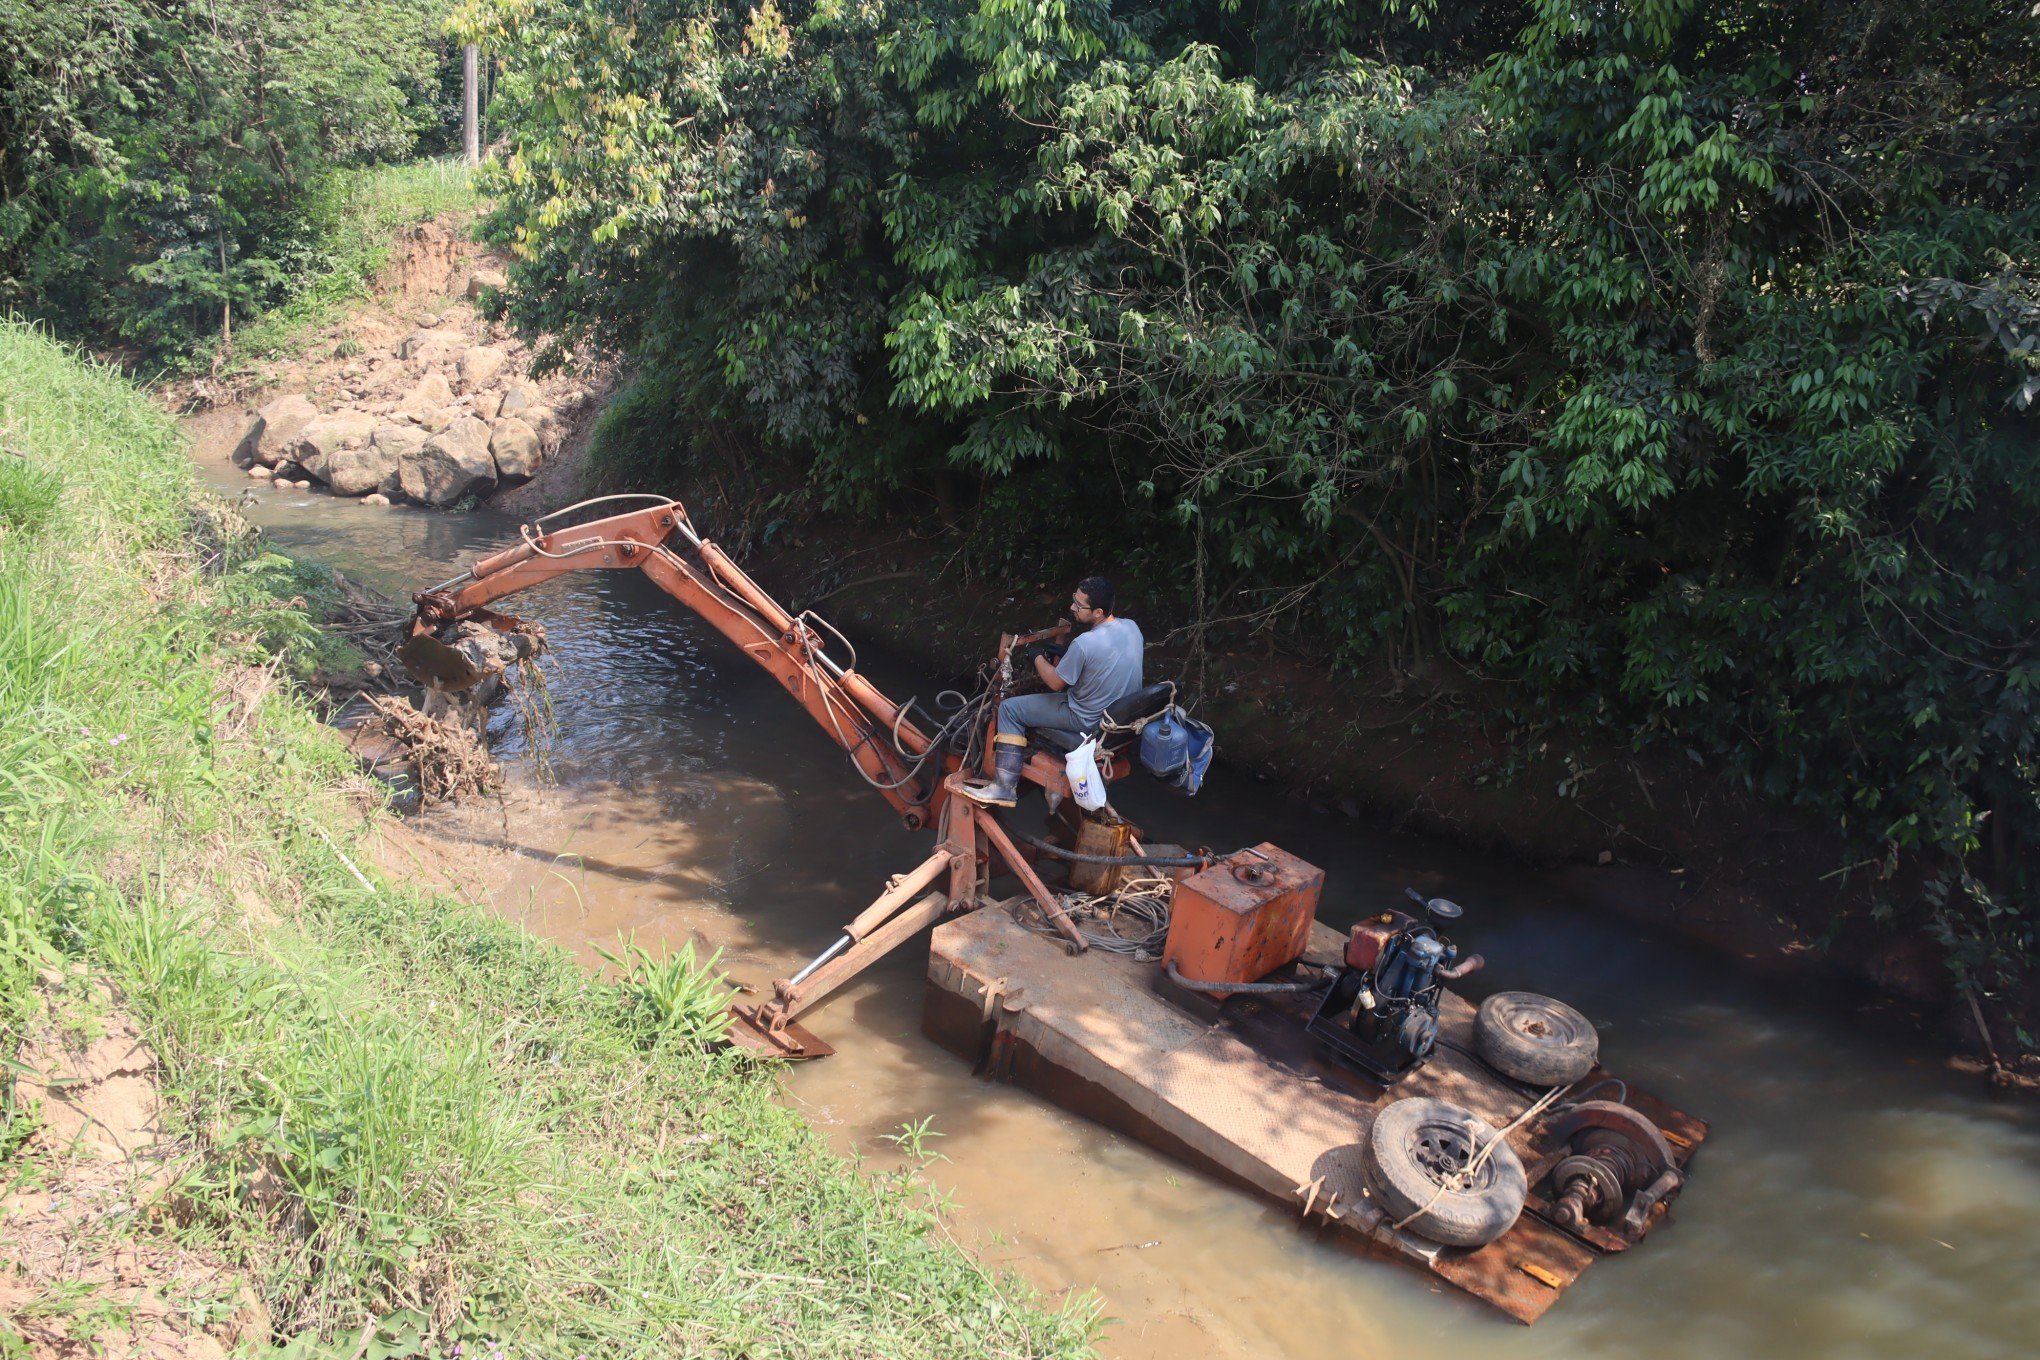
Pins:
x: 1441, y: 1148
x: 1551, y: 1028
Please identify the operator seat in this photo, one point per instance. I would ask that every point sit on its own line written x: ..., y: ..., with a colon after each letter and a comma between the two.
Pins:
x: 1121, y: 723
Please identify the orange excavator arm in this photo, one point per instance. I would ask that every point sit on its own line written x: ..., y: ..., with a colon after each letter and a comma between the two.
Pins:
x: 882, y: 741
x: 911, y: 770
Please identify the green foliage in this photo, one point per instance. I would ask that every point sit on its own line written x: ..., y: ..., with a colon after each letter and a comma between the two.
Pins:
x: 671, y: 999
x: 167, y: 169
x: 1670, y: 363
x: 375, y: 202
x: 28, y: 495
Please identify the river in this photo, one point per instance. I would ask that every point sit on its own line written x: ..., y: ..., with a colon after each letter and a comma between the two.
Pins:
x: 1855, y: 1198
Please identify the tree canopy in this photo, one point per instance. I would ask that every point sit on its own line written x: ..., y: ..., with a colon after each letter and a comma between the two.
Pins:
x: 165, y: 166
x: 1670, y: 362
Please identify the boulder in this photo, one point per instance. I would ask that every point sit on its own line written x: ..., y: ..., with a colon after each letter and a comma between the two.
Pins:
x: 257, y: 470
x: 485, y: 281
x: 363, y: 468
x: 269, y: 432
x: 515, y: 447
x: 433, y: 393
x: 451, y: 466
x: 375, y: 498
x: 540, y: 418
x: 320, y: 439
x: 430, y: 345
x: 481, y: 364
x: 518, y: 397
x: 488, y: 405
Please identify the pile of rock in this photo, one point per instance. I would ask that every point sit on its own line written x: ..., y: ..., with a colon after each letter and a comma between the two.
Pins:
x: 440, y: 421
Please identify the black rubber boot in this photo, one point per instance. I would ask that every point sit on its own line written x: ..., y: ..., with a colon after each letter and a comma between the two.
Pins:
x: 1004, y: 790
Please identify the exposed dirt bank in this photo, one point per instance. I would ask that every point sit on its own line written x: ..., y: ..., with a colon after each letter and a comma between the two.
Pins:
x: 89, y: 1261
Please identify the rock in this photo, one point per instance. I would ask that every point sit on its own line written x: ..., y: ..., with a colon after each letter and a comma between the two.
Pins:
x: 375, y: 498
x: 247, y: 441
x: 364, y: 467
x: 320, y: 439
x: 485, y: 281
x: 519, y: 397
x: 540, y: 418
x: 258, y: 471
x: 303, y: 484
x: 515, y: 447
x: 481, y: 364
x: 433, y: 393
x: 488, y: 405
x: 443, y: 417
x: 451, y: 466
x: 430, y: 345
x: 269, y: 433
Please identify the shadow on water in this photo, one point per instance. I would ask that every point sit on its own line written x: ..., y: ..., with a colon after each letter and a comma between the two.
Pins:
x: 1855, y: 1198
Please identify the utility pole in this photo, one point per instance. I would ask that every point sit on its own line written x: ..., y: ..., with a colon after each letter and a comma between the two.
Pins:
x: 470, y: 104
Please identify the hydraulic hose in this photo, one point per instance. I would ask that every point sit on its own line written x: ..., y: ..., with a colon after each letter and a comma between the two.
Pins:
x: 1244, y: 988
x: 1152, y: 861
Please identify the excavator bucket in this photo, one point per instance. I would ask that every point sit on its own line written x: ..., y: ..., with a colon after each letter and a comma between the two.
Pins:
x: 437, y: 666
x: 792, y: 1041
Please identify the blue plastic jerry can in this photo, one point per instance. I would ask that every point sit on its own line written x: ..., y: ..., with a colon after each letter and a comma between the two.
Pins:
x: 1164, y: 744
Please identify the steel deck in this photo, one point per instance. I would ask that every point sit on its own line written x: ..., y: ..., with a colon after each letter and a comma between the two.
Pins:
x: 1240, y: 1091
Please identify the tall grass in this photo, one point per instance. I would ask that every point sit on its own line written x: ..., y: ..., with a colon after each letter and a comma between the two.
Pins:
x: 401, y: 1113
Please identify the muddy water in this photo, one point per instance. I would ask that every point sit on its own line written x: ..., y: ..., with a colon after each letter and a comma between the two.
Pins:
x: 1854, y: 1200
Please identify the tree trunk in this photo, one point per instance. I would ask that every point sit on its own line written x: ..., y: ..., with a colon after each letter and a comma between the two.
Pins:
x: 470, y: 104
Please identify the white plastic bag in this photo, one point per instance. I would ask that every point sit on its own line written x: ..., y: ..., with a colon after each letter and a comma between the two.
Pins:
x: 1087, y: 786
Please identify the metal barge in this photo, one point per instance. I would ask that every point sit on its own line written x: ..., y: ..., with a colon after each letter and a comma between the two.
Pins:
x: 1246, y: 1095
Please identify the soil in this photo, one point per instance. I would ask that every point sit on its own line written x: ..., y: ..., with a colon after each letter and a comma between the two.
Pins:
x: 87, y: 1264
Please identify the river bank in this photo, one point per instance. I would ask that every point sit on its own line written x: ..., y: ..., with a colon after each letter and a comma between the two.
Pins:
x: 364, y: 1102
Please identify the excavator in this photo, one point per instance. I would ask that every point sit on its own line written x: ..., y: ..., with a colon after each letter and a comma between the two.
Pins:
x: 915, y: 770
x: 1335, y: 1071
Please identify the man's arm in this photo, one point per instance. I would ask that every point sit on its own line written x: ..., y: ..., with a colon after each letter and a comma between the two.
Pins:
x: 1048, y: 674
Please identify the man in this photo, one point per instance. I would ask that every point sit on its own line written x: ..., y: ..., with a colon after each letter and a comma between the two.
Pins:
x: 1102, y: 665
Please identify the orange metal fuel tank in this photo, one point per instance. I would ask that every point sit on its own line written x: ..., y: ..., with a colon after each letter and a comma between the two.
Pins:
x: 1244, y: 917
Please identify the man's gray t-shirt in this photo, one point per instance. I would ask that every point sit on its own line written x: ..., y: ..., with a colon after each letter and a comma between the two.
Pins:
x: 1100, y: 666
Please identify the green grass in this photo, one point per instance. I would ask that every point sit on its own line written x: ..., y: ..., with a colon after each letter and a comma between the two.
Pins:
x: 401, y: 1112
x: 371, y: 205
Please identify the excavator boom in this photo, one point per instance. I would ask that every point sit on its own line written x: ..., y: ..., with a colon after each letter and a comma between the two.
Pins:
x: 918, y: 774
x: 887, y: 748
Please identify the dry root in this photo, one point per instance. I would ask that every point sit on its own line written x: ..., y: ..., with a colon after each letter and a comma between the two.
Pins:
x: 371, y: 621
x: 451, y: 759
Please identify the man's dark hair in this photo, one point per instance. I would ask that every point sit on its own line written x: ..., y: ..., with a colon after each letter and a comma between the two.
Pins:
x: 1098, y: 591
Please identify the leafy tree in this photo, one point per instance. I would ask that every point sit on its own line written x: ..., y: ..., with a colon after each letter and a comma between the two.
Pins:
x: 1671, y: 362
x: 165, y: 166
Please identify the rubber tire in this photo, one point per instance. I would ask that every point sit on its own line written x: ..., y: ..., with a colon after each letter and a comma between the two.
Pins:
x: 1535, y: 1039
x: 1402, y: 1186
